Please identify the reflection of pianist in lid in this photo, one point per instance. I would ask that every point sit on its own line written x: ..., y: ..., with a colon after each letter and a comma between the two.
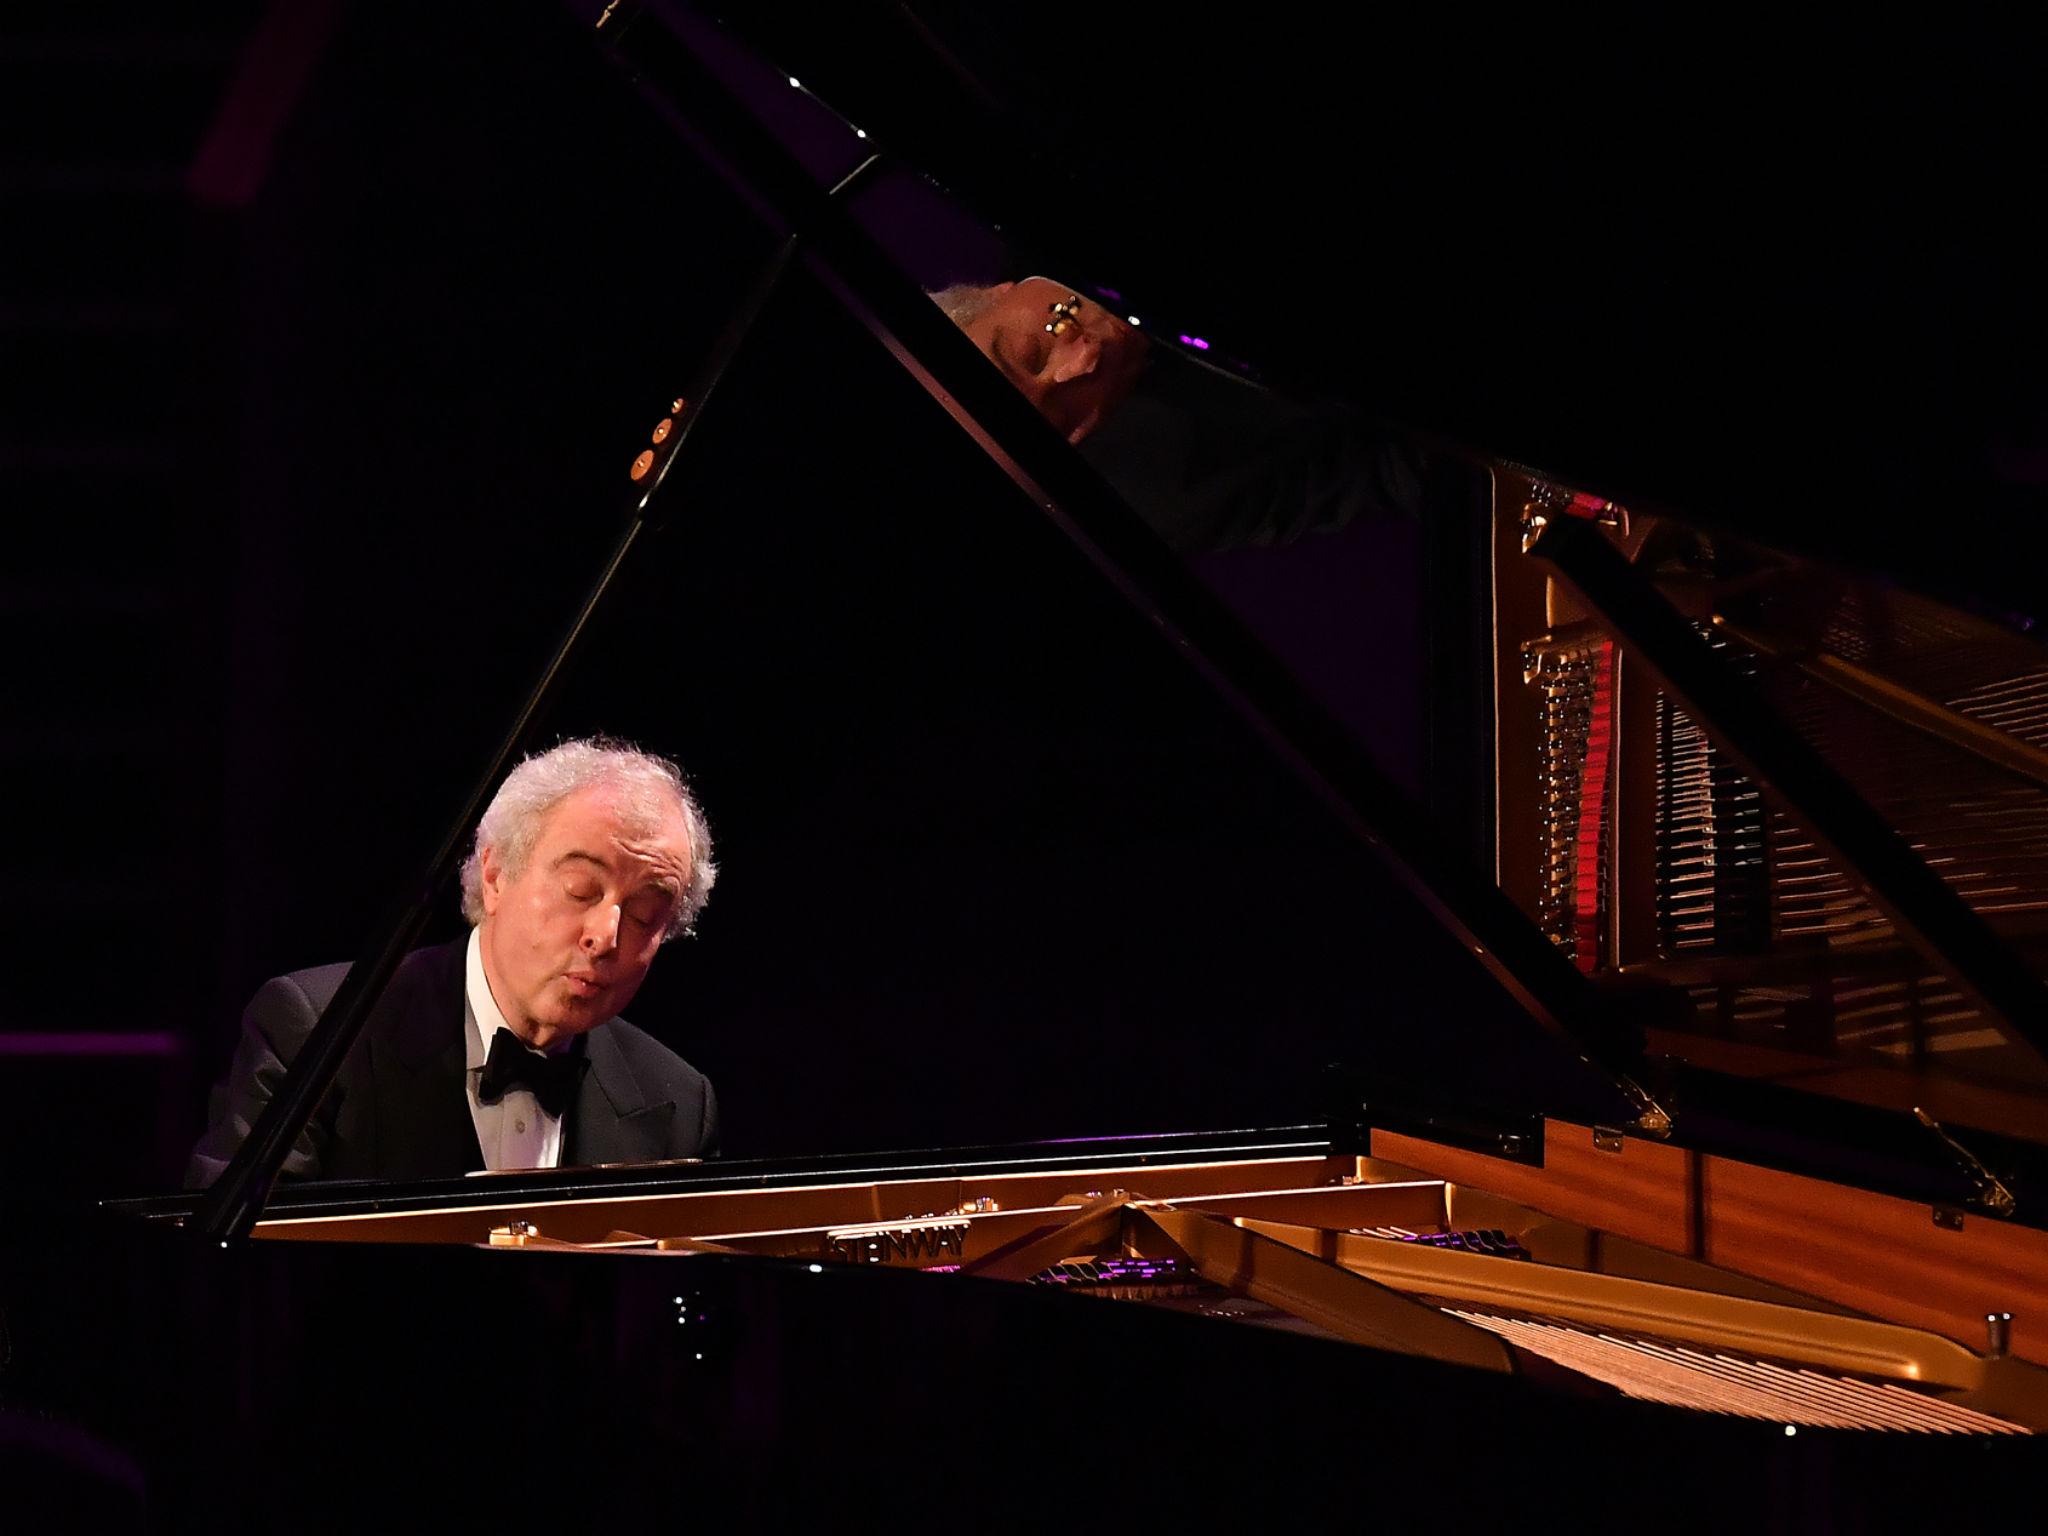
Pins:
x: 1073, y: 359
x: 1209, y: 461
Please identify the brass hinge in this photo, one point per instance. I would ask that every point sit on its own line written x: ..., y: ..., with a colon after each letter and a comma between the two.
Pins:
x: 1992, y: 1195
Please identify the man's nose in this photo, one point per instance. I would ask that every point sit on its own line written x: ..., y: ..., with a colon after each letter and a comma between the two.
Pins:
x: 601, y: 930
x: 1077, y: 357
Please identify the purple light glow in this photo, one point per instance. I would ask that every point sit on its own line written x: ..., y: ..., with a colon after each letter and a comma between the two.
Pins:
x: 1110, y: 293
x: 89, y: 1043
x: 1196, y: 342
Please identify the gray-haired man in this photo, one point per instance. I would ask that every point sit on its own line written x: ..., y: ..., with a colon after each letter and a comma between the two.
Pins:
x: 505, y: 1050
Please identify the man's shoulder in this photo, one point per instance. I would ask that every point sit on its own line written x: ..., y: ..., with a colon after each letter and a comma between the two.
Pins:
x: 317, y: 984
x: 430, y: 970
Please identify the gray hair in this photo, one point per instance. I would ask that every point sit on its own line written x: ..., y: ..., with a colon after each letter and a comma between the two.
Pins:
x: 511, y: 825
x: 963, y: 303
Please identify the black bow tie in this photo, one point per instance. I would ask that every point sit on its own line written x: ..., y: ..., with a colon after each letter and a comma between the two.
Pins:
x: 551, y: 1079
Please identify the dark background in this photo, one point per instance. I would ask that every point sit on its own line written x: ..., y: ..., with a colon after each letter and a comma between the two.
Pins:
x: 304, y: 483
x: 331, y: 327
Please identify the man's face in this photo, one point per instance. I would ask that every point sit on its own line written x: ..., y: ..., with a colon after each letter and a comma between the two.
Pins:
x: 568, y: 939
x: 1075, y: 378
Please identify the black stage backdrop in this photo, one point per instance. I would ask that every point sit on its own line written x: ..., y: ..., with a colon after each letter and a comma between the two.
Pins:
x: 995, y: 863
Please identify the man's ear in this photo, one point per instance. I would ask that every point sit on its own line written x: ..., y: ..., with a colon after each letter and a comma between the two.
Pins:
x: 1075, y: 363
x: 492, y: 881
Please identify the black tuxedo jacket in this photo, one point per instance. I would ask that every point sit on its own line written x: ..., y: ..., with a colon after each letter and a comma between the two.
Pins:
x: 399, y: 1108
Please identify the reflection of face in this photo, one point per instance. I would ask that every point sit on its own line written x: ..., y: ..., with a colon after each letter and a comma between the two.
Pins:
x: 567, y: 940
x: 1075, y: 378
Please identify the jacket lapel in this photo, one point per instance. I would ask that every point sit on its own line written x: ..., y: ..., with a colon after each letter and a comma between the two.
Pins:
x: 425, y: 1129
x: 612, y: 1119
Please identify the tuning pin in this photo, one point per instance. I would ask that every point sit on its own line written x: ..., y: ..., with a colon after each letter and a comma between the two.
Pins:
x: 662, y: 428
x: 643, y: 464
x: 1998, y: 1332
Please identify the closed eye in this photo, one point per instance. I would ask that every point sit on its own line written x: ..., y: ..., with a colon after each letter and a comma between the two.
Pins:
x: 1027, y: 353
x: 649, y: 912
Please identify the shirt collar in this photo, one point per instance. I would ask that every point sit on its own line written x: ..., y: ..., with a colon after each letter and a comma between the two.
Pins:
x: 484, y: 1017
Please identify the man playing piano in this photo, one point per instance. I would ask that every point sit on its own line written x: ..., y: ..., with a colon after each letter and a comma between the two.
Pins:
x: 506, y: 1049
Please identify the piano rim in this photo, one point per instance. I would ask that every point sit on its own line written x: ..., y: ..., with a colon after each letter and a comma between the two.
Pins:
x: 353, y: 1197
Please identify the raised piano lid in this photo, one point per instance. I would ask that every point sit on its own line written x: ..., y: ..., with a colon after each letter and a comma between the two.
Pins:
x: 1614, y: 344
x: 1751, y: 284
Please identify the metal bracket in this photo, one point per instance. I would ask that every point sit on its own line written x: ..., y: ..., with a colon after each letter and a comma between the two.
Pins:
x: 1998, y: 1334
x: 1991, y: 1192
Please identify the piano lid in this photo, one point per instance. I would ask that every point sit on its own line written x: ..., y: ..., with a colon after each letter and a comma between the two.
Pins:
x: 1780, y: 284
x: 1822, y: 978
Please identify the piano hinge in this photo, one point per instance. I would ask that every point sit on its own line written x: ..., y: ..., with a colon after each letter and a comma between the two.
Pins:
x: 1652, y: 1119
x: 1359, y: 1111
x: 1607, y: 1139
x: 1991, y: 1193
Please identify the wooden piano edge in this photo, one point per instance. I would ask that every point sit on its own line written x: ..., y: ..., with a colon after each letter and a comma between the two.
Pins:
x: 1875, y: 1254
x: 1630, y: 1239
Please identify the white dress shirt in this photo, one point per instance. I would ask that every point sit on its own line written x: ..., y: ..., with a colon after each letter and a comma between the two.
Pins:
x: 514, y: 1132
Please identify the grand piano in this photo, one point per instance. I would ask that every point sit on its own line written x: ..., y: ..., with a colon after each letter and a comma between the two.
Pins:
x: 1742, y: 819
